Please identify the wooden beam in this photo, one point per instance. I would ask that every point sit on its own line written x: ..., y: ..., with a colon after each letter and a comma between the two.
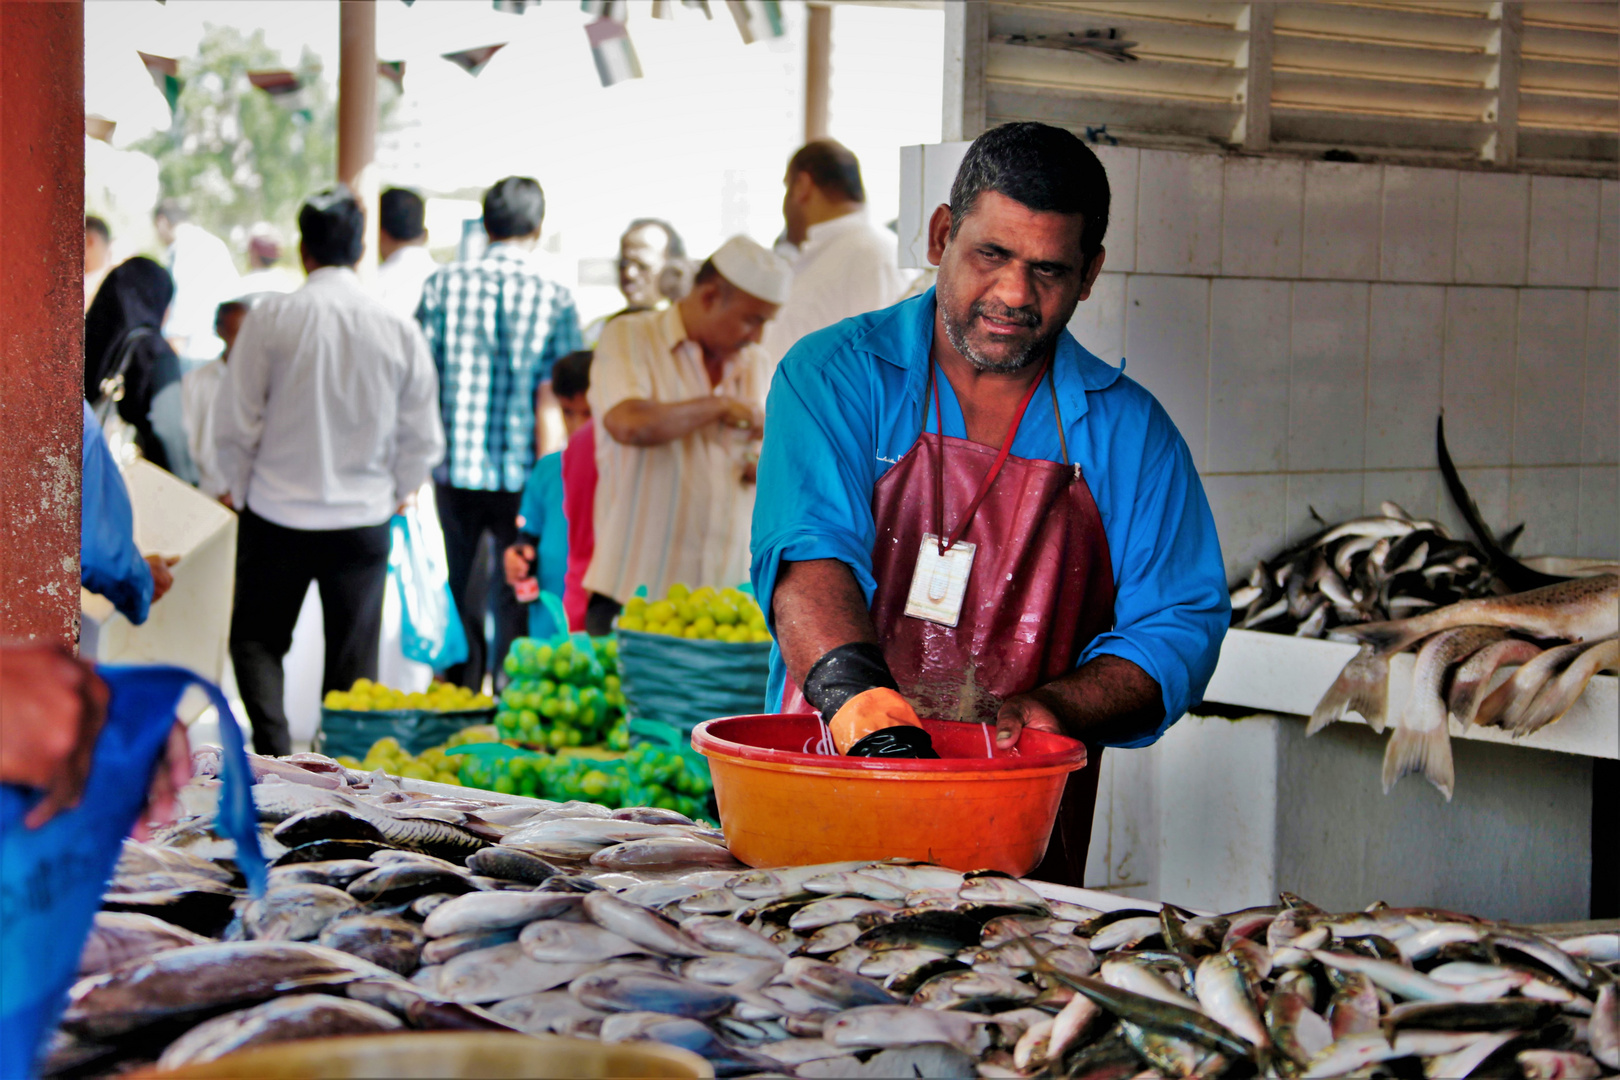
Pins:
x: 357, y: 114
x: 967, y: 44
x: 1503, y: 146
x: 817, y: 71
x: 1256, y: 133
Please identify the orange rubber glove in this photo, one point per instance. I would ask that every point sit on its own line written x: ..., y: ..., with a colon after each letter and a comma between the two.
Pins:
x: 869, y: 711
x: 860, y: 702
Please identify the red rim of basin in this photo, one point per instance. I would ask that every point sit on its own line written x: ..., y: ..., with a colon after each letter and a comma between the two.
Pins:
x: 1036, y: 750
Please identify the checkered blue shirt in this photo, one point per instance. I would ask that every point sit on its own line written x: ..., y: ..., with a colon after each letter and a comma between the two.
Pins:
x: 495, y: 327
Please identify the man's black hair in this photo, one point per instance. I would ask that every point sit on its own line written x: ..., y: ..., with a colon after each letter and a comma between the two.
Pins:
x: 333, y: 227
x: 831, y: 167
x: 1042, y: 167
x: 399, y: 214
x: 674, y: 246
x: 171, y: 209
x: 241, y: 303
x: 93, y: 224
x: 571, y: 375
x: 513, y: 207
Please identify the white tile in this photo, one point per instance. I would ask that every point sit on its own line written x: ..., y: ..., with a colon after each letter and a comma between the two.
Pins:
x: 1608, y: 269
x: 1550, y: 373
x: 1341, y: 220
x: 1260, y: 225
x: 1248, y: 375
x: 1548, y: 502
x: 1493, y: 221
x: 1418, y: 491
x: 1123, y: 164
x: 1419, y: 224
x: 1481, y: 326
x: 1178, y: 215
x: 1250, y: 518
x: 1099, y: 322
x: 1167, y: 348
x: 1489, y: 490
x: 1327, y: 393
x: 1334, y: 497
x: 1600, y: 512
x: 1600, y: 443
x: 1563, y: 231
x: 1405, y: 342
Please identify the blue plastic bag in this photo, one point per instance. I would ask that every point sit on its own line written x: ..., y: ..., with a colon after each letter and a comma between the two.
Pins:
x: 52, y: 878
x: 430, y: 627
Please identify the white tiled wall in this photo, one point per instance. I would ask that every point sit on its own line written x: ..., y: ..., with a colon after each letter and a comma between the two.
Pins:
x: 1305, y: 322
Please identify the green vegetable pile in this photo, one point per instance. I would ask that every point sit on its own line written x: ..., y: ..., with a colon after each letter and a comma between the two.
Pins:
x: 647, y: 776
x: 563, y: 695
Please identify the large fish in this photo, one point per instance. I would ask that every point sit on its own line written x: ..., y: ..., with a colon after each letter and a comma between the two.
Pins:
x: 1471, y: 679
x: 300, y: 1016
x: 1421, y: 742
x: 1561, y: 690
x: 1580, y: 609
x: 120, y: 936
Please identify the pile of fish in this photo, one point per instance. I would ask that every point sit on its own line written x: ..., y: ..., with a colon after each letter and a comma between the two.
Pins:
x: 1557, y: 637
x: 387, y: 910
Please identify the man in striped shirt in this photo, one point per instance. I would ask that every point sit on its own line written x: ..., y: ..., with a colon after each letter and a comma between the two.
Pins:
x: 494, y: 327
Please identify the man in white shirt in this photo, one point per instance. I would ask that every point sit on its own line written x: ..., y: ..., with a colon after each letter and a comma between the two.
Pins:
x: 402, y: 244
x: 204, y: 277
x: 681, y: 394
x: 327, y: 421
x: 845, y: 265
x: 199, y: 388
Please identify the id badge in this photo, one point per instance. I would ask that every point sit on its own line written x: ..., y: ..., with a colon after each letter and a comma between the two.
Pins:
x: 940, y: 581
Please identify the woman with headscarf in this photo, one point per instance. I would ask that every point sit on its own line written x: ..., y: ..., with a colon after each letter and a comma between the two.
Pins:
x: 128, y: 363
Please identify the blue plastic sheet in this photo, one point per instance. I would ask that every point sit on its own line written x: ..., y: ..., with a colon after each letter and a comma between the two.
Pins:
x: 52, y: 878
x: 430, y: 630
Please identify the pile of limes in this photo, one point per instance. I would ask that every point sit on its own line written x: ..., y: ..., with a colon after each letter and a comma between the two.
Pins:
x: 434, y: 763
x: 563, y: 695
x: 367, y: 696
x: 704, y: 614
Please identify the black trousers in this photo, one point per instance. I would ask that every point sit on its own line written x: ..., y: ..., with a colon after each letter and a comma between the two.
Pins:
x: 479, y: 585
x: 600, y: 611
x: 274, y: 566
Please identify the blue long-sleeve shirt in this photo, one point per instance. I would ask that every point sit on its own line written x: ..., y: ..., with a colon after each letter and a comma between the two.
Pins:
x: 847, y: 402
x: 109, y: 562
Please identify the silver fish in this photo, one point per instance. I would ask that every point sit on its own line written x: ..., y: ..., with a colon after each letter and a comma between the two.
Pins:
x: 443, y: 949
x: 542, y: 1012
x: 386, y: 940
x: 641, y: 926
x: 574, y: 943
x: 738, y: 972
x: 501, y: 972
x: 999, y: 890
x: 821, y: 913
x: 1125, y: 933
x: 970, y: 985
x: 485, y: 911
x: 1557, y: 1065
x: 300, y: 1016
x: 1225, y: 995
x: 1140, y: 979
x: 901, y: 1025
x: 1603, y: 1032
x: 662, y: 853
x: 296, y: 912
x: 119, y: 936
x: 723, y: 935
x: 625, y: 991
x: 832, y: 938
x: 844, y: 989
x: 855, y: 883
x: 763, y: 884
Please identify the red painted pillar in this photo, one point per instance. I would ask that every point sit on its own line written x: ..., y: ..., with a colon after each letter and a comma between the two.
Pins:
x: 41, y: 316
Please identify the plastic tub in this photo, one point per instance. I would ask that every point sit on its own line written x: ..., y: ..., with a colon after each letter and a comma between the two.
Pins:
x: 976, y: 808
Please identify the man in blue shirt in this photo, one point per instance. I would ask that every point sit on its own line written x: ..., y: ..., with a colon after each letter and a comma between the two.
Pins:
x: 965, y: 515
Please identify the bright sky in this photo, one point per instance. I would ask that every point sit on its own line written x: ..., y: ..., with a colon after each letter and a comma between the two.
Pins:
x: 702, y: 140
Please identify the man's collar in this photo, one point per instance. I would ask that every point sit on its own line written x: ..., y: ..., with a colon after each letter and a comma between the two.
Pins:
x: 331, y: 273
x: 506, y: 249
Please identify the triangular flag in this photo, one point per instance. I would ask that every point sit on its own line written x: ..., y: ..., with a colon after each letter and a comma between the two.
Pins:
x: 472, y: 61
x: 99, y: 127
x: 605, y: 9
x: 165, y: 76
x: 514, y: 7
x: 702, y: 5
x: 757, y: 19
x: 662, y: 10
x: 393, y: 71
x: 285, y: 88
x: 615, y: 56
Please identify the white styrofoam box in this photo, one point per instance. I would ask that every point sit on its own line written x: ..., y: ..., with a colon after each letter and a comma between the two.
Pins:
x: 190, y: 626
x: 1285, y: 674
x: 1600, y: 512
x: 1481, y: 335
x: 1099, y: 322
x: 1405, y: 342
x: 1178, y: 213
x: 1167, y: 346
x: 1489, y: 489
x: 1600, y: 442
x: 1418, y: 491
x: 1327, y: 394
x: 1340, y: 233
x: 1334, y: 496
x: 926, y: 175
x: 1548, y: 501
x: 1250, y: 513
x: 1419, y: 233
x: 1493, y: 221
x: 1263, y: 208
x: 1123, y: 165
x: 1548, y: 377
x: 1248, y: 375
x: 1608, y: 269
x: 1563, y: 231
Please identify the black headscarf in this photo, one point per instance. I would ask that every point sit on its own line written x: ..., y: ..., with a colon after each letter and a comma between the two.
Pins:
x: 129, y: 307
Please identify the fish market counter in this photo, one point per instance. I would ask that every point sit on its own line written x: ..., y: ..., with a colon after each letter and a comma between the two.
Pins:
x: 1227, y: 809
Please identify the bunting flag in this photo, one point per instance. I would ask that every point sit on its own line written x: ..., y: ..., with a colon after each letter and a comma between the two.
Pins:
x: 665, y: 9
x: 99, y: 127
x: 701, y: 5
x: 472, y: 61
x: 757, y: 19
x: 514, y: 7
x: 610, y: 47
x: 165, y: 76
x: 605, y: 9
x: 393, y: 71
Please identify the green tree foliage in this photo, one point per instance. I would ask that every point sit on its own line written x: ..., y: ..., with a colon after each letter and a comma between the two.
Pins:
x: 235, y: 156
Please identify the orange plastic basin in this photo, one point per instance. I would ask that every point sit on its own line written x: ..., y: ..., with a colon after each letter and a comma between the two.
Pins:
x: 976, y: 808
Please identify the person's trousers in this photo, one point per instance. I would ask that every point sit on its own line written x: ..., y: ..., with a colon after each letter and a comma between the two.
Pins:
x: 274, y: 566
x: 600, y: 611
x: 478, y: 585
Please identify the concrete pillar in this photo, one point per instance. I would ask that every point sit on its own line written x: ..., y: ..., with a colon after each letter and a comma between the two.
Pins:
x: 41, y: 317
x: 817, y: 72
x: 357, y: 114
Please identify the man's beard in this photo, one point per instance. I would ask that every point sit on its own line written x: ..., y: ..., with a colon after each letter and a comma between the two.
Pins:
x: 956, y: 334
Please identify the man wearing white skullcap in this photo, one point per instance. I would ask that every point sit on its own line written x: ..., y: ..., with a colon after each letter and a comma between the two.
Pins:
x: 680, y: 393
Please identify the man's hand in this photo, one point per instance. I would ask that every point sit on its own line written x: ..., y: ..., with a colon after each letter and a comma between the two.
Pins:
x: 168, y: 777
x: 1023, y: 711
x: 736, y: 413
x: 518, y: 561
x: 53, y: 710
x: 226, y: 501
x: 1106, y: 700
x: 161, y: 578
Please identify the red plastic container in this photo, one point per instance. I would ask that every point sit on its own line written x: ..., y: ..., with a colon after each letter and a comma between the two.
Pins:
x: 976, y: 808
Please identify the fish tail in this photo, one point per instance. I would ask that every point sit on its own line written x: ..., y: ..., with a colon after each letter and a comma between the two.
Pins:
x: 1391, y: 637
x: 1362, y: 687
x: 1428, y: 752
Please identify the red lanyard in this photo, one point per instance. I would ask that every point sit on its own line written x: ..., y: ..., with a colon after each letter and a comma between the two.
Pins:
x: 989, y: 477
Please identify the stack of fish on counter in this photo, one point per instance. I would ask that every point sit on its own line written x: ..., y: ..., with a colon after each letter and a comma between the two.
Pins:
x: 389, y: 910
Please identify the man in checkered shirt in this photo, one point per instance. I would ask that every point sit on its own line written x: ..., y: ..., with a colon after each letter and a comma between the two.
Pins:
x: 494, y: 327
